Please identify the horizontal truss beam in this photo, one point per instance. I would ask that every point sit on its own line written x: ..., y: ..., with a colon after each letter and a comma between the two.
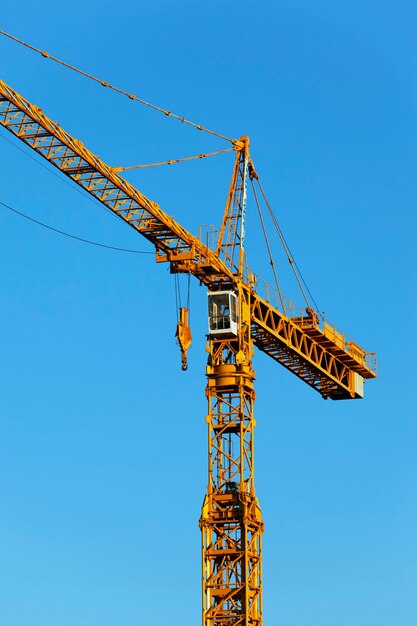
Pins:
x: 327, y: 369
x: 70, y: 156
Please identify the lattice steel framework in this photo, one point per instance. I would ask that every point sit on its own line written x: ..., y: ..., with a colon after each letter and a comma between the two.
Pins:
x: 231, y: 521
x: 297, y: 343
x: 232, y: 231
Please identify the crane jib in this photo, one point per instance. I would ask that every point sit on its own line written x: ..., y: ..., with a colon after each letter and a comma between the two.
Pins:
x: 316, y: 355
x: 70, y: 156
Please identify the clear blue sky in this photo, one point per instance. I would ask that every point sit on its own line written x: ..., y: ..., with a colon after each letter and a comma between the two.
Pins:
x: 102, y: 437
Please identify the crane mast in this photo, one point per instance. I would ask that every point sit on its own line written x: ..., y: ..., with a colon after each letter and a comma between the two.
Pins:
x: 231, y: 521
x: 239, y: 320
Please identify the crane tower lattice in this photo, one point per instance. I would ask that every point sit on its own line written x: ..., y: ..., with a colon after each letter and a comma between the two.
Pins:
x: 239, y: 320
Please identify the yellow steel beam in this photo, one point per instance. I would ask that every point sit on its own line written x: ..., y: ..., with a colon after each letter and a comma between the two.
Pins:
x: 325, y: 365
x: 231, y: 520
x: 306, y: 351
x: 173, y: 242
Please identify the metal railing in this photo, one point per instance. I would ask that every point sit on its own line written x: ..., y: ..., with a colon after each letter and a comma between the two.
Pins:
x: 311, y: 319
x: 208, y: 234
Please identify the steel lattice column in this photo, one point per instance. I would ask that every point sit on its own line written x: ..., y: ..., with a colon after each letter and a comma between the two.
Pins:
x: 231, y: 520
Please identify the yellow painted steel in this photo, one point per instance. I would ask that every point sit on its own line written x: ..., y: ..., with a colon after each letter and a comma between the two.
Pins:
x: 231, y: 521
x: 307, y: 351
x: 183, y: 335
x: 172, y: 241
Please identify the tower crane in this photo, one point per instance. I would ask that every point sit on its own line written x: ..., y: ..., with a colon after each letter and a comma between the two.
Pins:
x: 240, y: 319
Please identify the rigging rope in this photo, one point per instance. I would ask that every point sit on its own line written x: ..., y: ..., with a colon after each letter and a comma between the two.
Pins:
x: 296, y: 270
x: 188, y: 293
x: 177, y: 298
x: 271, y: 260
x: 104, y: 83
x: 297, y: 273
x: 62, y: 232
x: 172, y: 161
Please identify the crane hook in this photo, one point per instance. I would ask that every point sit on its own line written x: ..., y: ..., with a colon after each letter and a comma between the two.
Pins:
x: 183, y: 335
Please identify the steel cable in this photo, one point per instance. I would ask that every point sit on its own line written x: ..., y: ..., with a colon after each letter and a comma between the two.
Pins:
x: 105, y: 83
x: 62, y: 232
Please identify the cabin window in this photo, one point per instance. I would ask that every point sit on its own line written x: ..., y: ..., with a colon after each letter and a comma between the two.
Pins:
x: 222, y: 312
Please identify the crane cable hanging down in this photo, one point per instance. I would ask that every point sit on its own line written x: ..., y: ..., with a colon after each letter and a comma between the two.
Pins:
x: 105, y: 83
